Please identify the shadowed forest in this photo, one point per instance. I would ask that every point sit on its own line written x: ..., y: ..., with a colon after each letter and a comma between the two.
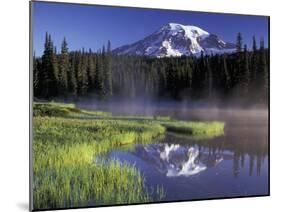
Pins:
x: 240, y: 77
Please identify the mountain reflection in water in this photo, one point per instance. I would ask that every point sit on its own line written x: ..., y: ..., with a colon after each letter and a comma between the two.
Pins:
x: 177, y: 160
x: 231, y: 165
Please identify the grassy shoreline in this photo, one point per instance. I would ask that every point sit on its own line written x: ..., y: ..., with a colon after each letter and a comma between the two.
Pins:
x: 67, y: 139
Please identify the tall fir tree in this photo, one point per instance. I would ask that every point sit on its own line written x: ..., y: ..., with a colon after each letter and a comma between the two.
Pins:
x: 245, y: 77
x: 64, y: 73
x: 254, y: 68
x: 254, y: 44
x: 239, y: 42
x: 81, y: 72
x: 227, y: 77
x: 99, y: 78
x: 91, y: 71
x: 263, y: 73
x: 107, y: 70
x: 72, y: 77
x: 49, y: 71
x: 36, y: 70
x: 238, y: 71
x: 209, y: 78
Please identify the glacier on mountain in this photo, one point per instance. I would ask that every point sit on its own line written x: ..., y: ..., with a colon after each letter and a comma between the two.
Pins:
x: 176, y: 39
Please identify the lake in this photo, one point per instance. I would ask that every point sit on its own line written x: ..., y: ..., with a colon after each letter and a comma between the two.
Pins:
x: 234, y: 164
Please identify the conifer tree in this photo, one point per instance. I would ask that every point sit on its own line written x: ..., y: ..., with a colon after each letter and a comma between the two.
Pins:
x: 239, y: 42
x: 49, y: 71
x: 263, y: 73
x: 91, y: 71
x: 81, y: 72
x: 245, y: 78
x: 64, y: 69
x: 238, y: 72
x: 107, y: 70
x: 72, y: 79
x: 254, y: 44
x: 209, y: 78
x: 36, y: 70
x: 254, y: 68
x: 227, y: 78
x: 99, y: 79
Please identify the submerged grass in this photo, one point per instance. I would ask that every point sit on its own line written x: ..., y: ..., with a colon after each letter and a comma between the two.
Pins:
x: 204, y: 129
x: 66, y: 142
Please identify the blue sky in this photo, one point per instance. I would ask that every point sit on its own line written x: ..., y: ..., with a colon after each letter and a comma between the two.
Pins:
x: 92, y: 26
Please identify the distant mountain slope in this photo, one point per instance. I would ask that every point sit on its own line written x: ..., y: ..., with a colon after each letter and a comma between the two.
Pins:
x: 176, y: 40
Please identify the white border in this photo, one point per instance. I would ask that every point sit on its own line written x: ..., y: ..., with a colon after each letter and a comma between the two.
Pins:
x: 14, y: 104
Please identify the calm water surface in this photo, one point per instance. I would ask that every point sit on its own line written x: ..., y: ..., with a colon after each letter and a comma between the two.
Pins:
x: 235, y: 164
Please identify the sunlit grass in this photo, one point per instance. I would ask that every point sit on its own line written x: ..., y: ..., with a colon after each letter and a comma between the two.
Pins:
x: 65, y: 174
x: 67, y: 140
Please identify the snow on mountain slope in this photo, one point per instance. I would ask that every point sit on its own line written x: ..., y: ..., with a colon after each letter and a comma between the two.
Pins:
x: 176, y: 40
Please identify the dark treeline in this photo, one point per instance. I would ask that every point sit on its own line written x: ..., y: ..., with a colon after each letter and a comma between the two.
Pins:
x: 241, y: 76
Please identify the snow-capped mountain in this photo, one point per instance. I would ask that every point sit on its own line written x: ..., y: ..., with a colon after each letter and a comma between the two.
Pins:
x: 176, y: 40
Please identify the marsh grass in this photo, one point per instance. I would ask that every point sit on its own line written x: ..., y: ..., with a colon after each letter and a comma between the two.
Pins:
x: 65, y: 174
x: 66, y: 142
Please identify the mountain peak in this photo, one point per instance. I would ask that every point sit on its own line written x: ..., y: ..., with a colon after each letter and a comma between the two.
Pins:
x: 186, y: 28
x: 174, y: 39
